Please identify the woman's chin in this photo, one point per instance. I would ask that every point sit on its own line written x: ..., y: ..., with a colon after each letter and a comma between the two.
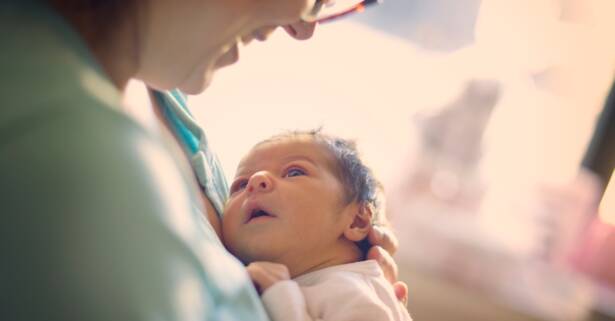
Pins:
x: 196, y: 86
x: 202, y: 77
x: 194, y: 90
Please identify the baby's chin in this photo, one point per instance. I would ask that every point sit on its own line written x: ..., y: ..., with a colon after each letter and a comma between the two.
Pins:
x: 254, y: 253
x: 248, y: 256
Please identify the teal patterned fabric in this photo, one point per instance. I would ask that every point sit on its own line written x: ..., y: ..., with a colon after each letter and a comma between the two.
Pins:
x: 204, y: 162
x: 211, y: 178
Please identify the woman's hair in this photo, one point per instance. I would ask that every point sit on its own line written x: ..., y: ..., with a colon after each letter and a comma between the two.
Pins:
x: 94, y: 18
x: 357, y: 179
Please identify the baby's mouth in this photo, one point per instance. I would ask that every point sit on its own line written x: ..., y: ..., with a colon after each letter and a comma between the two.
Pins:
x: 258, y: 214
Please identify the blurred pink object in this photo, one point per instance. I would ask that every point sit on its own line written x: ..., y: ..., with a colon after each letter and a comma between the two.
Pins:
x: 596, y: 255
x: 568, y: 212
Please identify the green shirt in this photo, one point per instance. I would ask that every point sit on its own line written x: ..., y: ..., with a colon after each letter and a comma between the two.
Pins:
x: 98, y: 221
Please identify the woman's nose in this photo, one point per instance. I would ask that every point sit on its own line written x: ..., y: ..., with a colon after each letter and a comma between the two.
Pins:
x: 300, y: 30
x: 260, y: 182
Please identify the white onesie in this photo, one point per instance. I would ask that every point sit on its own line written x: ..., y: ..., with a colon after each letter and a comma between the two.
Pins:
x: 349, y: 292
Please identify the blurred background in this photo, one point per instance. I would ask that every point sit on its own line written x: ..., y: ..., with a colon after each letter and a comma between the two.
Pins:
x: 486, y: 122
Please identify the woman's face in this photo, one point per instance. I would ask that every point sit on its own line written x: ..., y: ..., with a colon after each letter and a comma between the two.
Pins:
x: 182, y: 43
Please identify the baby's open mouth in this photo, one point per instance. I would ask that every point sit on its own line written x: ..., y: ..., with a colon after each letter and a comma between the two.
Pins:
x: 257, y: 214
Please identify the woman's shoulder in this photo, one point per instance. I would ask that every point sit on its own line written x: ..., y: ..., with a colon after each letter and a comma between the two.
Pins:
x: 46, y: 69
x: 58, y: 106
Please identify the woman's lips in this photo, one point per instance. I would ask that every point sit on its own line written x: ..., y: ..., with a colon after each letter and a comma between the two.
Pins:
x: 230, y: 57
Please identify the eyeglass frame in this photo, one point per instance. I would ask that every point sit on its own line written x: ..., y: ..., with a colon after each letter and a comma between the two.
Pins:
x: 359, y: 7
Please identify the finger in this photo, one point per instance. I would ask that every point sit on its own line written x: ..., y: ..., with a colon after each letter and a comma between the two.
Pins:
x: 384, y: 238
x: 375, y: 235
x: 275, y: 270
x: 386, y: 262
x: 266, y: 274
x: 301, y: 30
x: 257, y: 276
x: 282, y: 272
x: 256, y: 273
x: 401, y: 292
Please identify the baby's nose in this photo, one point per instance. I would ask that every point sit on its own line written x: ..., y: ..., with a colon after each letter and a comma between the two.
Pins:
x: 260, y: 182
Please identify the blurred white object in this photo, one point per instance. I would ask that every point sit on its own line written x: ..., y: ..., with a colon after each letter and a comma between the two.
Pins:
x: 556, y: 62
x: 455, y: 249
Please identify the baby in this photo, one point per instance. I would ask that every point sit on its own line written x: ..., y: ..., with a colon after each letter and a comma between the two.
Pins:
x: 300, y: 209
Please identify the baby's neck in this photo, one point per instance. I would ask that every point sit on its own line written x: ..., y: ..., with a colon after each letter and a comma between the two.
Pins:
x: 343, y: 253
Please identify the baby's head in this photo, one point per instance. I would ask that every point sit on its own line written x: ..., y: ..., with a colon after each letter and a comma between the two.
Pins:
x: 303, y: 199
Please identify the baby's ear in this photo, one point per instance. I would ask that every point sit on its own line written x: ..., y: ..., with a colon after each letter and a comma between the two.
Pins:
x: 361, y: 223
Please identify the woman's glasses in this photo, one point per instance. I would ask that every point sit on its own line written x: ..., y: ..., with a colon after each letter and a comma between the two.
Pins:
x: 328, y: 10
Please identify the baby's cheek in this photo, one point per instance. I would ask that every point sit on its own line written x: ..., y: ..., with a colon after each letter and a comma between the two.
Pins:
x: 229, y: 224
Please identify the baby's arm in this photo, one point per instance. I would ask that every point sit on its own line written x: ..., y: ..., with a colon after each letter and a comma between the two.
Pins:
x: 336, y: 300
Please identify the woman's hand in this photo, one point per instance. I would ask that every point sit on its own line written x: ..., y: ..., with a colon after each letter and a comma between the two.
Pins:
x: 266, y: 274
x: 384, y: 245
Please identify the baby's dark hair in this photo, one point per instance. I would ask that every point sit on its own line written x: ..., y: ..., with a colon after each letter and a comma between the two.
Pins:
x: 357, y: 179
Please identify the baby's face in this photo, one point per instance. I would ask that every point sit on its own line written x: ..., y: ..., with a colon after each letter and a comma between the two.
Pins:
x: 285, y: 203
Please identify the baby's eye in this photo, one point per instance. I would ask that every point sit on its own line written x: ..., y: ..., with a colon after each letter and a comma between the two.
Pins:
x: 238, y: 185
x: 295, y: 172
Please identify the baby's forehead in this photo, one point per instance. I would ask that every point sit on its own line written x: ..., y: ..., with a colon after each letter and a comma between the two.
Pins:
x: 280, y: 150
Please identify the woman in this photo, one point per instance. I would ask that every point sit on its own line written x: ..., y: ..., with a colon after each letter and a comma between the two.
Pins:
x: 102, y: 217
